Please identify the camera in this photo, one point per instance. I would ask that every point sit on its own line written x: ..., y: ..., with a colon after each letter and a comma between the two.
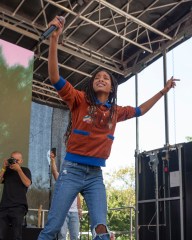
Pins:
x: 11, y: 161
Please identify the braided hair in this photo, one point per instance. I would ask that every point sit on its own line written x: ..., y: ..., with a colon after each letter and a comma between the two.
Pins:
x: 91, y: 98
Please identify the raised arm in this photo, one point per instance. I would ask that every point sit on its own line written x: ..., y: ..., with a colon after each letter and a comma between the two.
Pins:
x: 146, y: 106
x: 53, y: 166
x: 53, y: 59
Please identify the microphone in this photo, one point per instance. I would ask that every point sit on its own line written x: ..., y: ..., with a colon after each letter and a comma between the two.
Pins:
x: 51, y: 29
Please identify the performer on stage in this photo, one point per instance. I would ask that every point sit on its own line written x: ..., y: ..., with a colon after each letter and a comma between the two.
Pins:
x: 90, y: 136
x: 71, y: 222
x: 13, y: 206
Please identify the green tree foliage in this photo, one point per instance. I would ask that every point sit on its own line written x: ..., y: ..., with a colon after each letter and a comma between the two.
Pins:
x: 120, y: 184
x: 189, y: 139
x: 120, y: 187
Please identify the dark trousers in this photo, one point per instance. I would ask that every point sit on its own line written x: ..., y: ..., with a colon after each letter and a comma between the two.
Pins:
x: 11, y: 218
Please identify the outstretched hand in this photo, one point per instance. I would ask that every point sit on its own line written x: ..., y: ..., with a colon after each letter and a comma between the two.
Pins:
x: 170, y: 84
x: 150, y: 102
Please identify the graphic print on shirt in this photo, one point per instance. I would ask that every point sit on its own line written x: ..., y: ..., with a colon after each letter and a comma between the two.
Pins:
x: 87, y: 119
x: 101, y: 118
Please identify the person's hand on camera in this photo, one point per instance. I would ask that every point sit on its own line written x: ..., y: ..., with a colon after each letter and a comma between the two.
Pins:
x: 5, y: 163
x: 15, y: 167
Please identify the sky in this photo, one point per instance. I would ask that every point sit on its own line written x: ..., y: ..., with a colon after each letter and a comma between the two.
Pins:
x: 152, y: 124
x: 13, y: 53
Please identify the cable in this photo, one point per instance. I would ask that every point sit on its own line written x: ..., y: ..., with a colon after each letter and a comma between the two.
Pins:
x: 174, y: 105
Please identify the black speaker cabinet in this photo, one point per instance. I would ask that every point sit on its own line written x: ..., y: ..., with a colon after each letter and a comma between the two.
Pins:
x: 165, y: 193
x: 188, y: 190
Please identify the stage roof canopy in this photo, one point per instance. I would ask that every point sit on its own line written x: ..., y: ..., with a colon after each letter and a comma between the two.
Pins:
x: 121, y: 36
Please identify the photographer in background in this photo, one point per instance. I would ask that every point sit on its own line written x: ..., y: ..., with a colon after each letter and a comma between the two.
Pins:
x: 13, y: 205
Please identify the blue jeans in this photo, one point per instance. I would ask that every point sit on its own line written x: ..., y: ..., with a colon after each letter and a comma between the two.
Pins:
x: 72, y: 224
x: 76, y: 178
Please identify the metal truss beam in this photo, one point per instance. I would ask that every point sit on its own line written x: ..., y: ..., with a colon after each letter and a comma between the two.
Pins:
x: 72, y: 50
x: 99, y: 25
x: 134, y: 19
x: 44, y: 93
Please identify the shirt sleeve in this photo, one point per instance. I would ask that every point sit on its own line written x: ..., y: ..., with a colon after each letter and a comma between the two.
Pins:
x: 60, y: 84
x: 71, y: 96
x: 124, y: 113
x: 137, y: 112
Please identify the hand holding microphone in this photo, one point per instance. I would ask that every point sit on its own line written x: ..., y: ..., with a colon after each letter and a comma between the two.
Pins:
x: 55, y: 25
